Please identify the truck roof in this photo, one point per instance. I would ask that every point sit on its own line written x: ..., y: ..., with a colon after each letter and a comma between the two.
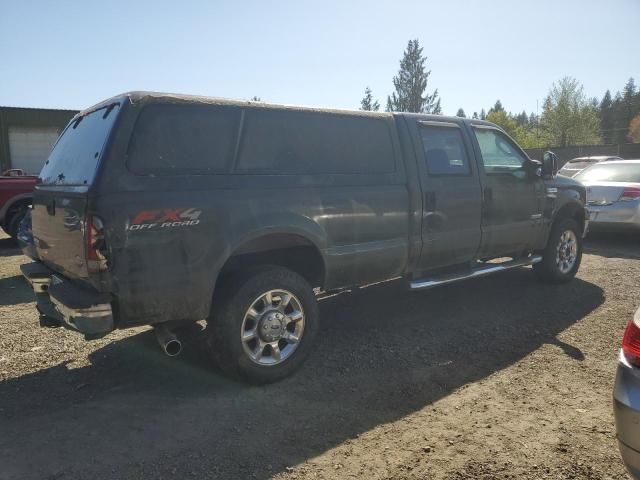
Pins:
x: 138, y: 96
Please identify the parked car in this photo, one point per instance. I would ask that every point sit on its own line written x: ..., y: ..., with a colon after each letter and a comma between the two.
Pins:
x: 613, y: 195
x: 626, y: 397
x: 159, y: 208
x: 576, y: 165
x: 15, y: 197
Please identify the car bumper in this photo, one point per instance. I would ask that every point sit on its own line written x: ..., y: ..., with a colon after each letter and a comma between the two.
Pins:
x: 617, y: 216
x: 626, y: 409
x: 75, y: 307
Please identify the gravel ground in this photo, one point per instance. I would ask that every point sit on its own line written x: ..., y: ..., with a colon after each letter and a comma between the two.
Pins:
x: 496, y: 378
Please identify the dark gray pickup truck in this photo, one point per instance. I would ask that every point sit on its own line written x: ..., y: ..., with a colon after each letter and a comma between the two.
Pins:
x: 161, y: 209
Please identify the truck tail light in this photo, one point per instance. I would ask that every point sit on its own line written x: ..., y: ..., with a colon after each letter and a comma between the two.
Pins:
x: 631, y: 342
x: 95, y: 246
x: 630, y: 193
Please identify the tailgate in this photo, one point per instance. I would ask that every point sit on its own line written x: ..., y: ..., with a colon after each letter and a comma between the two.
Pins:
x: 58, y: 229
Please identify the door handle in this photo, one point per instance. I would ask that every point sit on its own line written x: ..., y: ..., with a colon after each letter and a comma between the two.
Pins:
x: 430, y: 201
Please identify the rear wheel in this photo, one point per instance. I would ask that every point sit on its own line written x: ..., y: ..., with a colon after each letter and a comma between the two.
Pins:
x: 563, y: 253
x: 263, y: 324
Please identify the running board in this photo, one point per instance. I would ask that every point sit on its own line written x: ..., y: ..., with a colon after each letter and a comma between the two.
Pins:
x: 484, y: 270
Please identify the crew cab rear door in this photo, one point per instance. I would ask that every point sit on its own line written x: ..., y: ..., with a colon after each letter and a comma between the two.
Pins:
x: 451, y: 207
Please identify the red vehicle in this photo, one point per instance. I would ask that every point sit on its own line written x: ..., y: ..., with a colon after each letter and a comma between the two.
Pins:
x: 15, y: 197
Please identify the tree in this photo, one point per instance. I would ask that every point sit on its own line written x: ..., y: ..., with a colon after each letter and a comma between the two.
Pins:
x: 568, y: 118
x: 522, y: 119
x: 497, y: 107
x: 634, y: 130
x: 461, y: 113
x: 475, y: 116
x: 507, y: 123
x: 483, y: 115
x: 607, y: 124
x: 255, y: 98
x: 368, y: 103
x: 411, y: 84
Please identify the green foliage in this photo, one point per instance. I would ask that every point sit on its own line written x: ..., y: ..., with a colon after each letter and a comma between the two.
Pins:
x: 497, y: 107
x: 568, y: 118
x: 368, y: 103
x: 634, y: 130
x: 607, y: 122
x: 460, y: 113
x: 411, y: 84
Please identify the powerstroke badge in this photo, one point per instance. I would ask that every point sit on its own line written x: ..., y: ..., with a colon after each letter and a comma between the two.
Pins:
x: 167, y: 218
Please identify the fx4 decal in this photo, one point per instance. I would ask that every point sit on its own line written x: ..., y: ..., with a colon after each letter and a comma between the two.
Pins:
x: 167, y: 218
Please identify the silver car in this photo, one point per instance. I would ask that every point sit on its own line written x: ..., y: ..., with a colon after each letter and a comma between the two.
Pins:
x: 626, y: 397
x: 576, y: 165
x: 613, y: 195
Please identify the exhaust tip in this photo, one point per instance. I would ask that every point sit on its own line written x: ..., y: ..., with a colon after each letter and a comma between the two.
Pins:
x: 168, y: 341
x: 173, y: 348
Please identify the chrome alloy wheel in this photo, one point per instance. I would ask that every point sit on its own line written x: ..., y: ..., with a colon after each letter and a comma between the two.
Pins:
x: 567, y: 251
x: 272, y: 327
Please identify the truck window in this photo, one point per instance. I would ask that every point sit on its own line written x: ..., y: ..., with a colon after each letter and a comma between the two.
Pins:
x: 444, y: 150
x: 280, y: 142
x: 183, y: 140
x: 499, y: 154
x: 76, y: 154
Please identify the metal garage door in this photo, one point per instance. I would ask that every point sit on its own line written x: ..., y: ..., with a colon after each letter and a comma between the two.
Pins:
x: 29, y: 147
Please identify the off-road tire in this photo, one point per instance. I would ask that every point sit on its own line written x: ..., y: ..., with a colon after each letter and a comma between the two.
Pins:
x: 232, y: 299
x: 548, y: 270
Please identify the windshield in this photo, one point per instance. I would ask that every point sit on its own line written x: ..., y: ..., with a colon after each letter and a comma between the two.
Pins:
x: 611, y: 172
x: 75, y: 156
x: 578, y: 165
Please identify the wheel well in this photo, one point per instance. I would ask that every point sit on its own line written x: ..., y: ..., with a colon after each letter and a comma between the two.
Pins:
x: 290, y: 251
x: 13, y: 208
x: 572, y: 210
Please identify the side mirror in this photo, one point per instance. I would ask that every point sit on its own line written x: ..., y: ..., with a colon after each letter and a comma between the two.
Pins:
x: 533, y: 168
x: 549, y: 164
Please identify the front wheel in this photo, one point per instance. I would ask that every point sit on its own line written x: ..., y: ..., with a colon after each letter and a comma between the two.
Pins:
x: 263, y: 324
x: 563, y: 253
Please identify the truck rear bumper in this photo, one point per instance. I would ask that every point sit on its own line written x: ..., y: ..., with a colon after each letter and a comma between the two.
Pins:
x: 75, y: 307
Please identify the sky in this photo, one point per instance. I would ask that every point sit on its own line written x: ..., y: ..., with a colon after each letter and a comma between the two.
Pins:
x: 72, y: 54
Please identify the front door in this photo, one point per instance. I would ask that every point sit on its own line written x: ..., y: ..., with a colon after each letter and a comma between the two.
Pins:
x: 451, y: 205
x: 512, y: 200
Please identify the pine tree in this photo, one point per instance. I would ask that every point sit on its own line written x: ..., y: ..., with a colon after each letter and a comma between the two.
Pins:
x: 497, y: 107
x: 606, y: 118
x: 255, y: 98
x: 475, y: 116
x: 522, y: 119
x: 411, y: 83
x: 461, y: 113
x: 368, y: 103
x: 483, y: 114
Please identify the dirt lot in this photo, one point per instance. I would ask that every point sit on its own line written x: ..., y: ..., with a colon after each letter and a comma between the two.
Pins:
x: 499, y: 378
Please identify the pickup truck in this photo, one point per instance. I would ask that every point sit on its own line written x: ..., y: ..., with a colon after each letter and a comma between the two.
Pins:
x: 15, y: 197
x: 162, y: 209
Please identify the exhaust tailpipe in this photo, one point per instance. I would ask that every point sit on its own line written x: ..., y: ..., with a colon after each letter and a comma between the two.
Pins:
x: 168, y: 340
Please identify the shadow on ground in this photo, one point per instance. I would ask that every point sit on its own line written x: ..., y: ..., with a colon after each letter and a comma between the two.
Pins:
x: 383, y: 353
x: 613, y: 245
x: 15, y: 290
x: 8, y: 247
